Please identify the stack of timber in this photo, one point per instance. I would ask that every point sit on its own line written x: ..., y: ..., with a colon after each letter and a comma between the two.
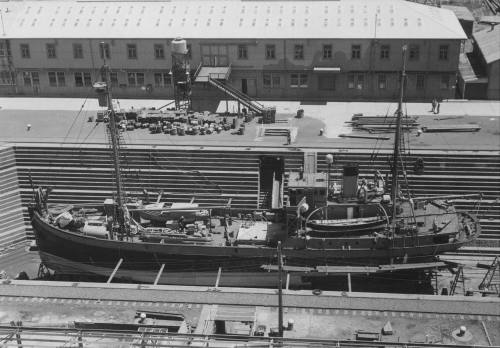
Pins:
x: 381, y: 123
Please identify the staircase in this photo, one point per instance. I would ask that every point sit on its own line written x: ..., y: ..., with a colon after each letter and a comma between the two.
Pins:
x: 241, y: 97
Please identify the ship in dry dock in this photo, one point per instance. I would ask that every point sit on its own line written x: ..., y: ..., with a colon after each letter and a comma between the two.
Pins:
x: 402, y: 230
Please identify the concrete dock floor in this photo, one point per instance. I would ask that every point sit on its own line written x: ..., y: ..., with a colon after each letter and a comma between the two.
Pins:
x: 329, y: 315
x: 66, y: 120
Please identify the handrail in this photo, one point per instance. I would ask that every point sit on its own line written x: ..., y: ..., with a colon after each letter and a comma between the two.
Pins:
x: 242, y: 97
x: 198, y: 70
x: 228, y: 72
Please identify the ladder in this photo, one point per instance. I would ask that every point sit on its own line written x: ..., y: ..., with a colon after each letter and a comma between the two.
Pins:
x: 459, y: 278
x: 488, y: 282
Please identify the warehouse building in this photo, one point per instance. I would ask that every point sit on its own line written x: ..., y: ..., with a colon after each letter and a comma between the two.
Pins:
x: 302, y: 50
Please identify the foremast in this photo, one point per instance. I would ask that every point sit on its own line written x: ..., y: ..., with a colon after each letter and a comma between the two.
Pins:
x: 397, y: 144
x: 103, y: 90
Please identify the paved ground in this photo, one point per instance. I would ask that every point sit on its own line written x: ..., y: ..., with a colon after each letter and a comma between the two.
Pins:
x: 331, y: 315
x: 60, y: 120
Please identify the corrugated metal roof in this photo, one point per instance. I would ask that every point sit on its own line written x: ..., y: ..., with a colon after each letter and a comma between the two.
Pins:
x: 488, y: 42
x: 229, y: 19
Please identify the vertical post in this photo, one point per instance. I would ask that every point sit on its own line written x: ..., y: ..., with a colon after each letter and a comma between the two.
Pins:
x: 280, y: 291
x: 114, y: 271
x: 287, y: 281
x: 397, y: 144
x: 218, y: 277
x: 115, y: 144
x: 159, y: 274
x: 349, y: 285
x: 329, y: 161
x: 210, y: 220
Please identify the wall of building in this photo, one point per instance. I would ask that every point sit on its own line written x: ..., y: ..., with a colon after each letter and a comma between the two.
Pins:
x: 251, y: 67
x: 494, y: 80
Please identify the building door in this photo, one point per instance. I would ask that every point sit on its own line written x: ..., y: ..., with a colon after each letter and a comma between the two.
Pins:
x: 244, y: 86
x: 251, y: 87
x: 32, y: 79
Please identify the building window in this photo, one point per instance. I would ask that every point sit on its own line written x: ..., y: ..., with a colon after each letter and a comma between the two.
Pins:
x: 113, y: 76
x: 4, y: 51
x: 271, y: 80
x: 188, y: 51
x: 382, y: 81
x: 443, y: 52
x: 5, y: 77
x: 350, y: 81
x: 77, y: 51
x: 355, y: 81
x: 135, y: 79
x: 132, y: 51
x: 445, y: 81
x: 31, y: 78
x: 25, y: 51
x: 57, y: 79
x: 270, y: 52
x: 298, y: 80
x: 326, y: 82
x: 414, y: 52
x: 384, y: 51
x: 242, y: 52
x: 159, y: 51
x: 51, y: 51
x: 327, y: 51
x: 356, y: 52
x: 419, y: 85
x: 298, y: 52
x: 104, y: 51
x: 83, y: 79
x: 163, y: 79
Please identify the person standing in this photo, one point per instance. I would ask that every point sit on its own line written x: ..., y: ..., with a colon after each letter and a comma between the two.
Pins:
x: 438, y: 106
x: 181, y: 223
x: 434, y: 104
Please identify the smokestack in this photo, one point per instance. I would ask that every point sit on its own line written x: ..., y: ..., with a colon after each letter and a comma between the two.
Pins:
x: 350, y: 181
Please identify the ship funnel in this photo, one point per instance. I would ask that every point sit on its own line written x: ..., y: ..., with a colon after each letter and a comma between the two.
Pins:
x: 350, y: 181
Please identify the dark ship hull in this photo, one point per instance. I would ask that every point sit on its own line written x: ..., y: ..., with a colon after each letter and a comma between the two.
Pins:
x: 73, y: 253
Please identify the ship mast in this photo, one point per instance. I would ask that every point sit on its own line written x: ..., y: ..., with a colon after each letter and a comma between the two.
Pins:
x: 105, y: 99
x: 397, y: 143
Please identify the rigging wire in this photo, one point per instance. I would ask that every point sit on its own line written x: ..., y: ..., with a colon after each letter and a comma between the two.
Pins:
x: 75, y: 118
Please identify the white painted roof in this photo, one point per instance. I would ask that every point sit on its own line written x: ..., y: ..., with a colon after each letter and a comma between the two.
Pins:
x: 228, y: 19
x: 488, y: 41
